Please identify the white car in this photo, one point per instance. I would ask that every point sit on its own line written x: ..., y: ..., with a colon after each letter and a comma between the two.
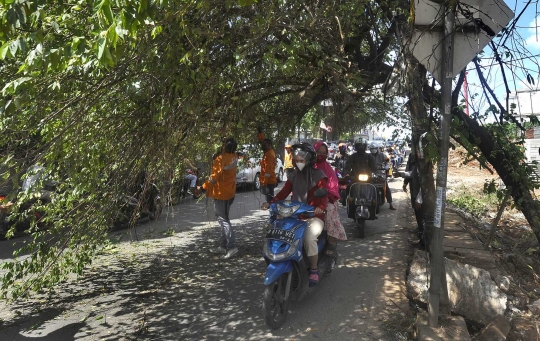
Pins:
x: 248, y: 171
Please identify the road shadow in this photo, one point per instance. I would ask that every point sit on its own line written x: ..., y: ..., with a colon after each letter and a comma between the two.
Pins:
x: 168, y: 286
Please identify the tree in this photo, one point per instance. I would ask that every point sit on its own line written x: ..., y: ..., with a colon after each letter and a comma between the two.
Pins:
x: 98, y: 92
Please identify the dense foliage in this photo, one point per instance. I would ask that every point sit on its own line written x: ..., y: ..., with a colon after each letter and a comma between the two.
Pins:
x: 99, y: 91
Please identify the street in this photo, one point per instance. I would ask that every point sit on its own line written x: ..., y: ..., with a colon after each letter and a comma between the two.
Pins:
x: 167, y: 286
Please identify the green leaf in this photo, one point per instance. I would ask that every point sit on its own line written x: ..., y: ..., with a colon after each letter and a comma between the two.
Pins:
x: 4, y: 50
x: 21, y: 14
x: 13, y: 47
x: 246, y: 2
x: 143, y: 6
x: 157, y: 30
x: 108, y: 12
x: 102, y: 43
x: 163, y: 3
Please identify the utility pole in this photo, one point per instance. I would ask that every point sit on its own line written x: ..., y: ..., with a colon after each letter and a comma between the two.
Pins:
x: 437, y: 251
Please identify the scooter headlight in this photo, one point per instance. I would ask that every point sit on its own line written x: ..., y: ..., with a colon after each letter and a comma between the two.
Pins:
x: 363, y: 177
x: 282, y: 255
x: 287, y: 211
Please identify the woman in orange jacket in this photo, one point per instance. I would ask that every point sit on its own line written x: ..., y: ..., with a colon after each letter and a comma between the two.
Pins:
x: 267, y: 176
x: 221, y: 186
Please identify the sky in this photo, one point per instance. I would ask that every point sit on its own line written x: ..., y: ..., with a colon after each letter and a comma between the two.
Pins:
x: 525, y: 48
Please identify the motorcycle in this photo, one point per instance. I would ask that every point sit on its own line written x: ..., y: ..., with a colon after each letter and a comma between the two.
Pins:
x: 131, y: 206
x: 344, y: 181
x: 287, y: 275
x: 365, y: 198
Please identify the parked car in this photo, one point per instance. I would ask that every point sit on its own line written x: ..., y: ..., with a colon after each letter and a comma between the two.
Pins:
x: 34, y: 175
x: 249, y: 168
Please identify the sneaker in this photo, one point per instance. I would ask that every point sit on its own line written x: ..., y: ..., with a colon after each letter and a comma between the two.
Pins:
x: 219, y: 250
x: 313, y: 278
x: 230, y: 253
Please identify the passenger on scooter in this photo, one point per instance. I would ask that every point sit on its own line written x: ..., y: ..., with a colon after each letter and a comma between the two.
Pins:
x: 332, y: 223
x: 380, y: 158
x: 303, y: 183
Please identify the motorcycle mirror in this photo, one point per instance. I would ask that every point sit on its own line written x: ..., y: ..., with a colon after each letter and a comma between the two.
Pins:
x: 320, y: 192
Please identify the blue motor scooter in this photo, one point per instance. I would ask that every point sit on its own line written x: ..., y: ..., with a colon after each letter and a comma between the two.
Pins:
x: 287, y: 275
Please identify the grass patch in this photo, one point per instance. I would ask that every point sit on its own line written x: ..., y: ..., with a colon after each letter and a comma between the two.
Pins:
x: 473, y: 200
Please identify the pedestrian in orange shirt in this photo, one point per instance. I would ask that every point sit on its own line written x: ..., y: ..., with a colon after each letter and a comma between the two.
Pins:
x: 267, y: 176
x: 221, y: 186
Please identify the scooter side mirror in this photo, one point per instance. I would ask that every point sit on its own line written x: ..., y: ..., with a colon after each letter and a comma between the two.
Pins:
x: 320, y: 192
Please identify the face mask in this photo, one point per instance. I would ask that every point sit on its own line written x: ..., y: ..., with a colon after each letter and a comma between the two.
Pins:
x: 300, y: 166
x: 321, y: 158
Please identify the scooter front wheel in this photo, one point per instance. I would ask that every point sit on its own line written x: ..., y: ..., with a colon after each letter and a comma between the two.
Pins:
x: 274, y: 303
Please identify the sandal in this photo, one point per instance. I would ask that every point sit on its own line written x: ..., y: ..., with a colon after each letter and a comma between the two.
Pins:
x: 313, y: 277
x: 330, y: 249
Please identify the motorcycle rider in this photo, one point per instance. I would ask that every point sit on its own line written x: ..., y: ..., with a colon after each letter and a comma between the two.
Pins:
x: 380, y: 158
x: 341, y: 157
x: 221, y: 186
x: 303, y: 183
x: 192, y: 173
x: 360, y: 162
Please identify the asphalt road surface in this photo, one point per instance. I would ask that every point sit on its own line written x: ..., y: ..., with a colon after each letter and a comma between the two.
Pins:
x: 160, y: 282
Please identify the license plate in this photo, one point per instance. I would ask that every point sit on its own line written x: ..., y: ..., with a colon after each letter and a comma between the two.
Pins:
x: 278, y: 234
x: 359, y: 201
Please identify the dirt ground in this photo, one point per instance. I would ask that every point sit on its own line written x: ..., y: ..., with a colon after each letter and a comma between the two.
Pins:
x: 514, y: 245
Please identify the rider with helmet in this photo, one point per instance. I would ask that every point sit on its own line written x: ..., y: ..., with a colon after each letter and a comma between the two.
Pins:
x: 303, y: 183
x: 380, y: 158
x: 360, y: 162
x: 341, y: 157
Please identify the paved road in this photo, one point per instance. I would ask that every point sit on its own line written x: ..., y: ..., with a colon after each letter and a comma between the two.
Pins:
x: 167, y: 286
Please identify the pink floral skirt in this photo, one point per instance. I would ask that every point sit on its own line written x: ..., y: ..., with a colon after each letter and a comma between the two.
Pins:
x: 333, y: 225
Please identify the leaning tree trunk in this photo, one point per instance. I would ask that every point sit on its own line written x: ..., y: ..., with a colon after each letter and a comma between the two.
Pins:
x: 420, y: 125
x: 507, y: 160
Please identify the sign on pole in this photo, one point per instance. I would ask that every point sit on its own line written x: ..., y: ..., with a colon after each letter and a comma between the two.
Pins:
x: 477, y: 21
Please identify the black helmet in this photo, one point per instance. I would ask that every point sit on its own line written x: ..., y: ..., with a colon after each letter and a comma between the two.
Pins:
x: 360, y: 145
x: 307, y: 151
x: 230, y: 145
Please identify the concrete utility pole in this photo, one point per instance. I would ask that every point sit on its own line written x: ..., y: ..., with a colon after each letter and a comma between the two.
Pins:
x: 437, y: 250
x: 444, y: 61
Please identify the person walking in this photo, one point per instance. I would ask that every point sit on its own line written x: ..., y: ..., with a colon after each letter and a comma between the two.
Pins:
x: 289, y: 168
x: 412, y: 178
x: 267, y: 177
x: 332, y: 223
x: 221, y: 186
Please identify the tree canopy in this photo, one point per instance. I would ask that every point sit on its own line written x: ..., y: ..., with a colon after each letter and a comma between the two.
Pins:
x: 98, y: 91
